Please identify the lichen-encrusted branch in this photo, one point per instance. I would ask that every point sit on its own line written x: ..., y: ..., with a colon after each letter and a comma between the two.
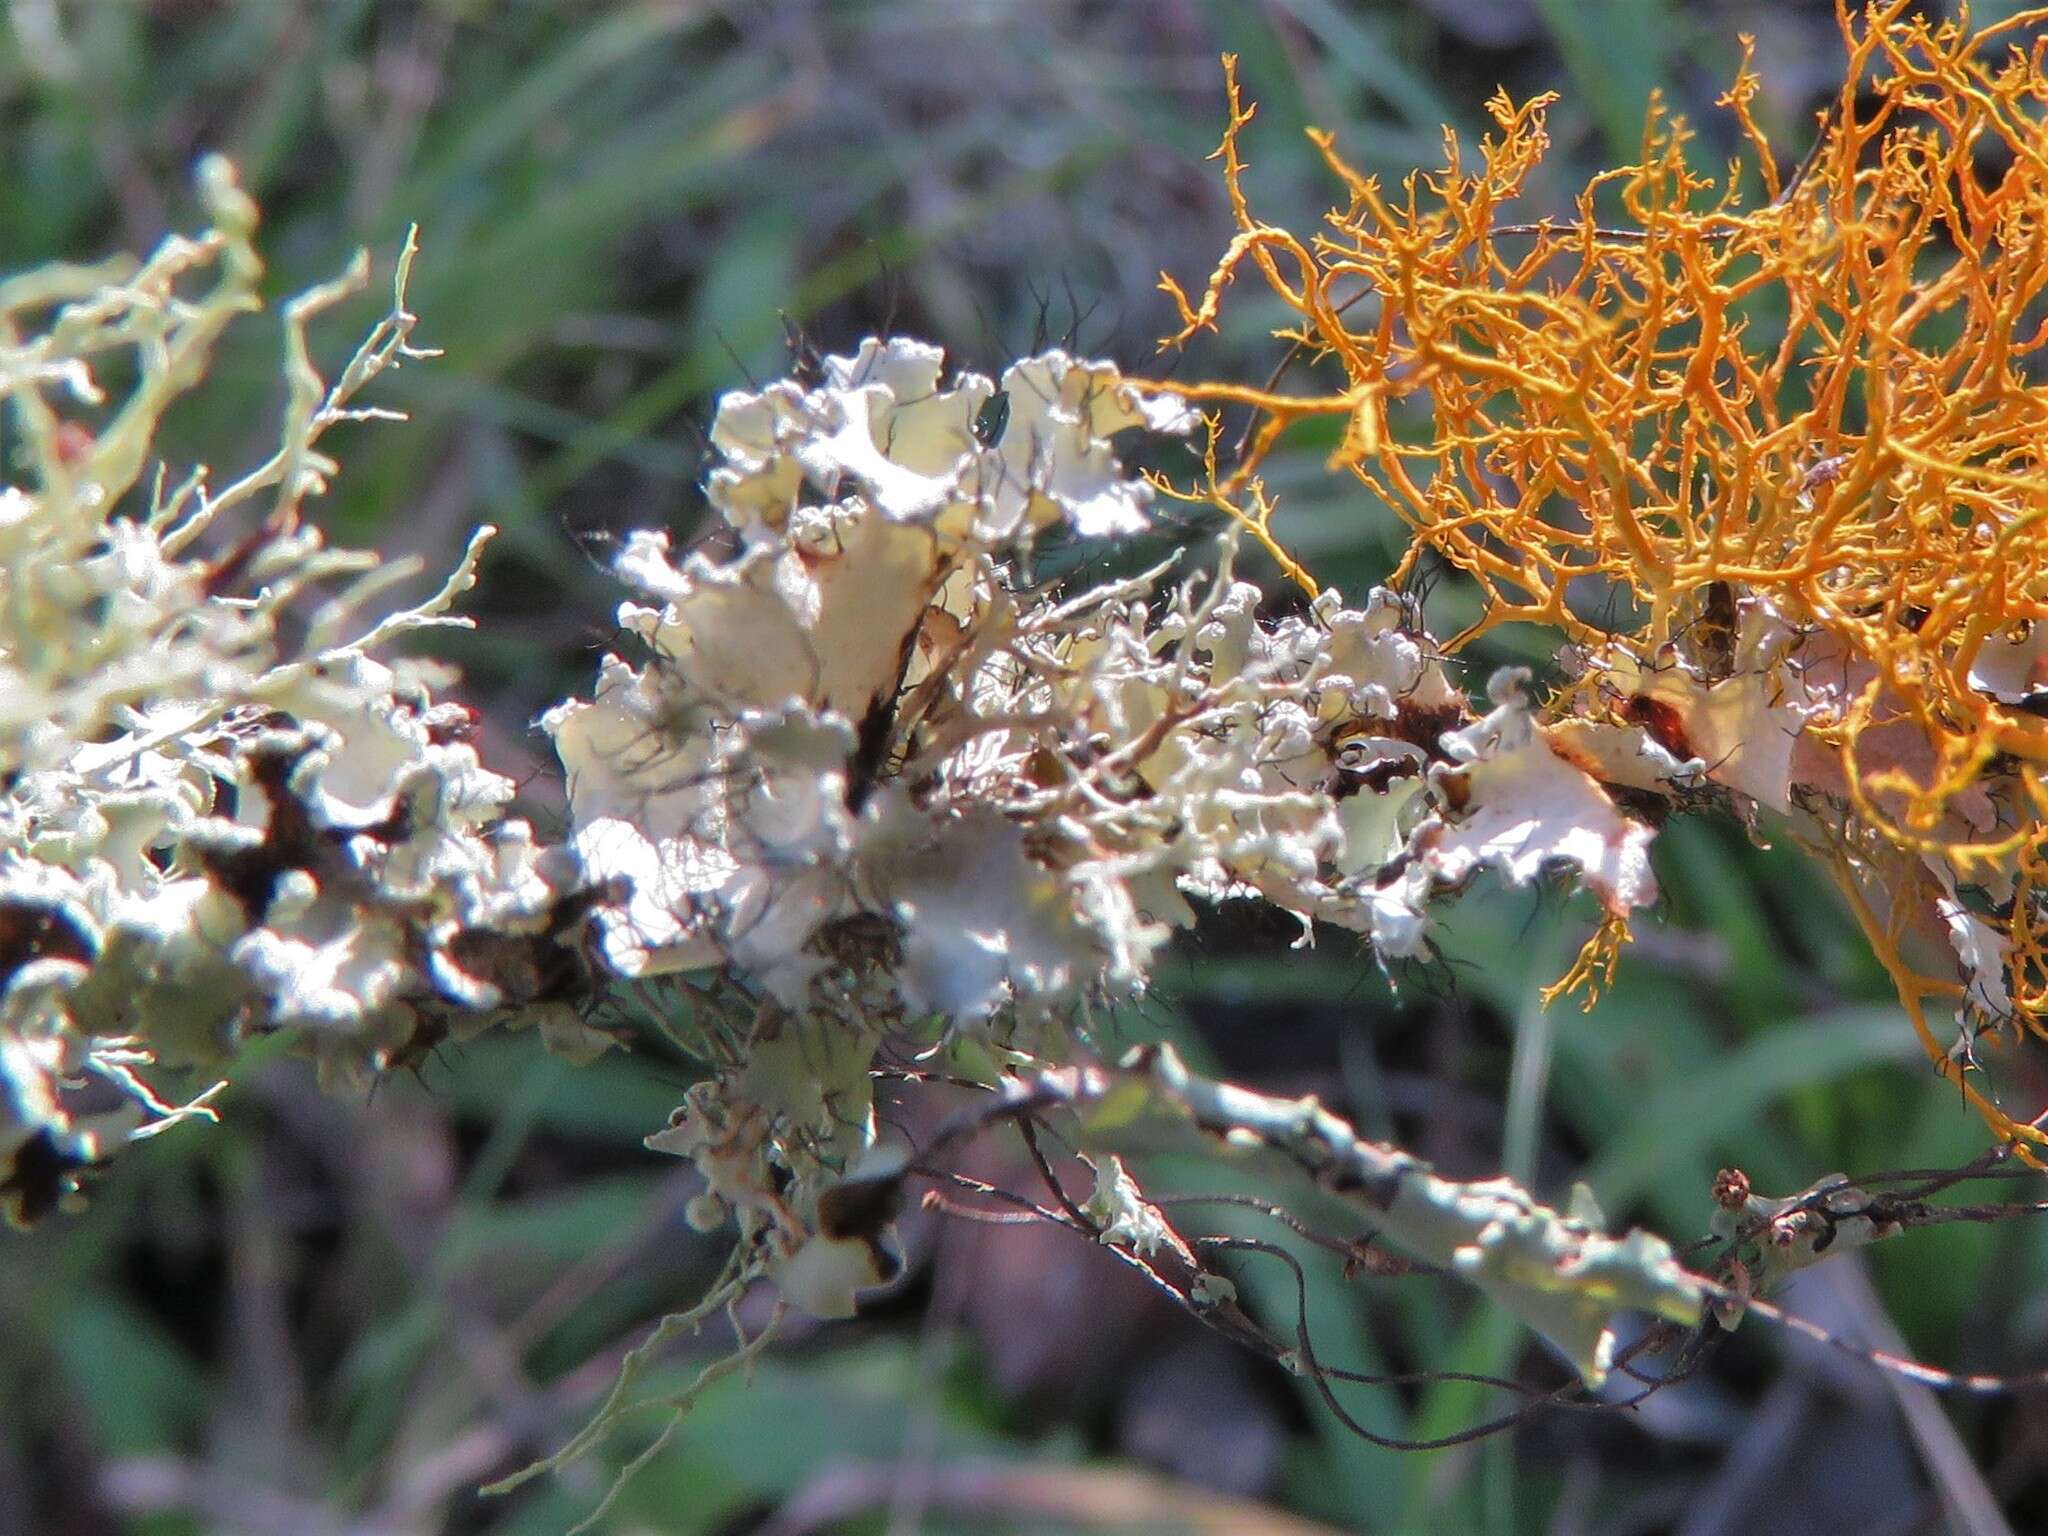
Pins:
x: 220, y: 815
x: 1555, y: 1270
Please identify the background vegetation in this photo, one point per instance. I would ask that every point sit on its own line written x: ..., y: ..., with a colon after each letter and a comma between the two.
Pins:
x: 333, y: 1316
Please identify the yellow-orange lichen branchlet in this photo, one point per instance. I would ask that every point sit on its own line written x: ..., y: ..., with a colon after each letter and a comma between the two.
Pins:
x: 1825, y: 402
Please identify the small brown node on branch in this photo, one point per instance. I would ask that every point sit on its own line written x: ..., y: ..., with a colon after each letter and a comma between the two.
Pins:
x: 1731, y: 1189
x: 1367, y: 1258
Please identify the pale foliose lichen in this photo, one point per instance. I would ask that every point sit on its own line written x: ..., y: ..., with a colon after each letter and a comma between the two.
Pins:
x: 861, y: 710
x: 853, y: 753
x: 220, y: 815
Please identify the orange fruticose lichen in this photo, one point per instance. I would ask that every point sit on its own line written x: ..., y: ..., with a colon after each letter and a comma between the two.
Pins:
x: 1830, y: 403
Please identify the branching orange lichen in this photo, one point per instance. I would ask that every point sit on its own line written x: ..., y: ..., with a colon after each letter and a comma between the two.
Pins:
x: 1831, y: 402
x: 1243, y: 500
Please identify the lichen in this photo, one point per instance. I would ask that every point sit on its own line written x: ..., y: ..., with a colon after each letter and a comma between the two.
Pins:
x: 1816, y: 544
x: 857, y: 787
x: 221, y: 817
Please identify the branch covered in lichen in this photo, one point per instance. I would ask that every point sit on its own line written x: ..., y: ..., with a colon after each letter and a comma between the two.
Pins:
x: 1558, y: 1272
x: 220, y: 816
x: 851, y: 781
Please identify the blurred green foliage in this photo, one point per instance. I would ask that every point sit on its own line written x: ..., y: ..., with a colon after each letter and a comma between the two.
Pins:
x: 342, y: 1316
